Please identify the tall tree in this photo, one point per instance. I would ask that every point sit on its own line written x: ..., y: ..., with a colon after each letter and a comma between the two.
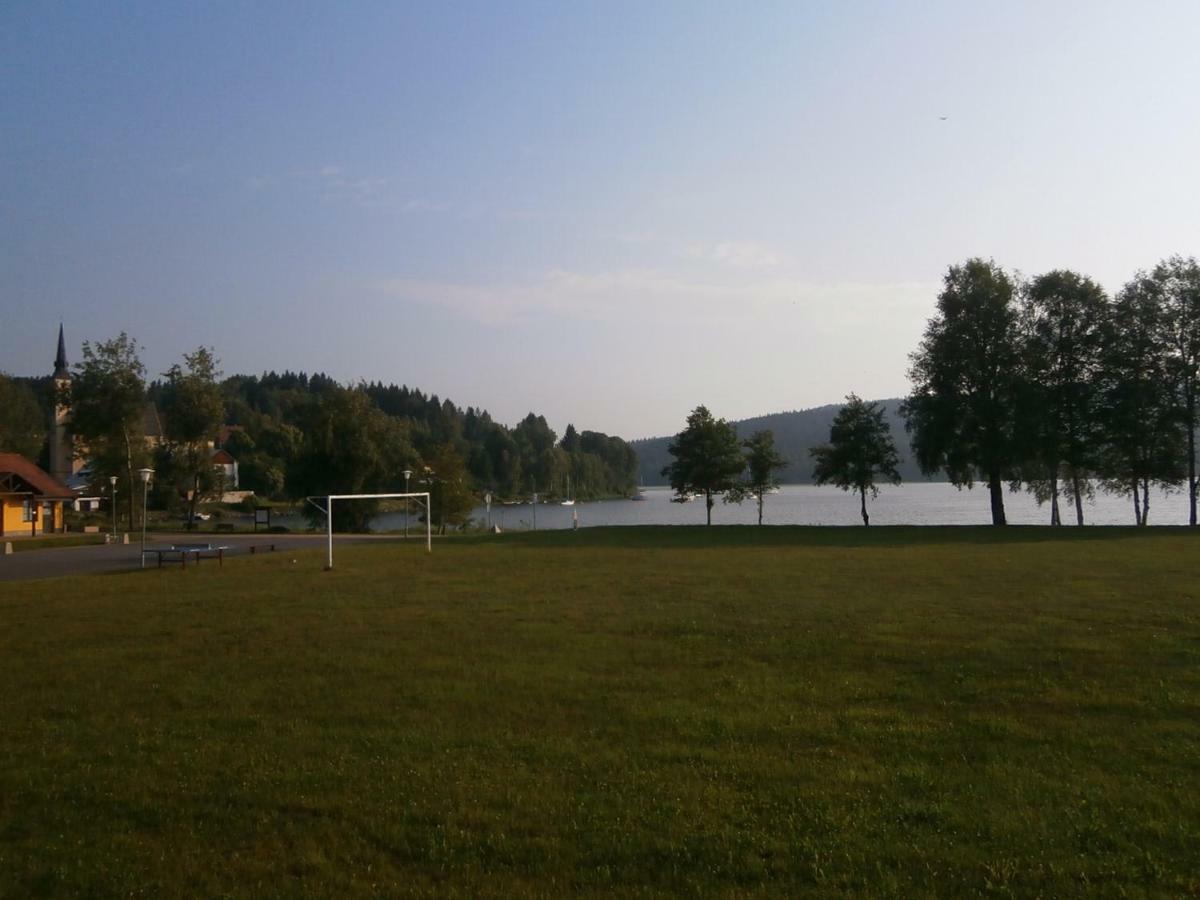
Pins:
x: 451, y: 498
x: 107, y: 397
x: 193, y: 410
x: 1178, y: 282
x: 762, y: 462
x: 962, y: 410
x: 707, y: 460
x: 859, y: 451
x: 350, y: 447
x: 22, y: 423
x: 1143, y: 426
x: 1062, y: 321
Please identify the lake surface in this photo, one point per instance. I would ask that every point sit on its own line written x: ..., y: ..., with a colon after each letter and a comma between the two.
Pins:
x: 918, y: 503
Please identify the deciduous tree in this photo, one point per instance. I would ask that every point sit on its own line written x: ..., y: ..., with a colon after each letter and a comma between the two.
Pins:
x: 962, y: 409
x: 449, y: 483
x: 1062, y: 322
x: 1143, y: 426
x: 1178, y: 282
x: 193, y: 411
x: 22, y: 423
x: 107, y: 397
x: 859, y: 451
x: 708, y: 458
x: 762, y: 462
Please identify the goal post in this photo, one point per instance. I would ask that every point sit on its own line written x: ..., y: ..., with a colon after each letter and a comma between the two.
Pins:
x: 329, y: 498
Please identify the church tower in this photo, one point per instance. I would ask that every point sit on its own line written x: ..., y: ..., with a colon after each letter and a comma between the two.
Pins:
x: 62, y: 457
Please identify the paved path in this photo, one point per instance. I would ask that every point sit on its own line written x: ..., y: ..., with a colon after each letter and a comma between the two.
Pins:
x: 98, y: 558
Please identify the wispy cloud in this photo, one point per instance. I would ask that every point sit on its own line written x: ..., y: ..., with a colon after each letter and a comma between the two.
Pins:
x: 746, y: 254
x: 629, y: 295
x: 333, y: 183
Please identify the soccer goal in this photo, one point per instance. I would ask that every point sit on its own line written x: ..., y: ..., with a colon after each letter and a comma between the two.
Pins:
x: 329, y: 498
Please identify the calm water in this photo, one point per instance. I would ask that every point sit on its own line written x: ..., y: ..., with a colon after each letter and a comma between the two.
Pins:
x: 908, y: 504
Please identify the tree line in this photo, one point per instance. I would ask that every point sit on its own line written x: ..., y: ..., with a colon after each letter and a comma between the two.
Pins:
x: 296, y: 435
x: 1046, y: 384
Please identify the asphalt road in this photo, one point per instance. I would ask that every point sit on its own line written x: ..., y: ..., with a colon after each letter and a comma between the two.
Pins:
x: 99, y: 558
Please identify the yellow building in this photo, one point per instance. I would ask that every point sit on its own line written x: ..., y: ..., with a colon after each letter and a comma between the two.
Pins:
x: 31, y: 501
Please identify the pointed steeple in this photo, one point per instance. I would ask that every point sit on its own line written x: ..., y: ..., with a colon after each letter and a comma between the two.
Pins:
x: 60, y: 361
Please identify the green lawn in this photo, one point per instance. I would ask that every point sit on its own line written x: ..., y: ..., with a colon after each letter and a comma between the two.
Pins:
x: 904, y: 712
x: 53, y: 541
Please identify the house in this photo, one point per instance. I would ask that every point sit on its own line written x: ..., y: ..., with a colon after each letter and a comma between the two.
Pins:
x: 228, y: 467
x: 31, y: 501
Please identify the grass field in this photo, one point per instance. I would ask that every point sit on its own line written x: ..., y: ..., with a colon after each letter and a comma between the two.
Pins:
x: 740, y: 711
x: 54, y: 541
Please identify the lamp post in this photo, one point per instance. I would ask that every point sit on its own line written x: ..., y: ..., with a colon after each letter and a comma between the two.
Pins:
x: 112, y: 496
x: 145, y: 473
x: 407, y: 475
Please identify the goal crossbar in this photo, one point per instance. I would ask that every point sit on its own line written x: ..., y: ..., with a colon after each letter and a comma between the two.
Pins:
x: 329, y: 498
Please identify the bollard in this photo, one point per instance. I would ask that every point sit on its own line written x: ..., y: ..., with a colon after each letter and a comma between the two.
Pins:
x: 8, y: 548
x: 125, y: 538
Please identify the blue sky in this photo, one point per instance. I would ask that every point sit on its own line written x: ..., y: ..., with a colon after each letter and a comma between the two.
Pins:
x: 604, y: 212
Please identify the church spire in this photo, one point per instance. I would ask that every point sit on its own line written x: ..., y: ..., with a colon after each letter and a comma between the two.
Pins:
x: 60, y: 361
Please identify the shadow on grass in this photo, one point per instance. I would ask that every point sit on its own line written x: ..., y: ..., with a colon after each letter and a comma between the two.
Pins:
x: 698, y: 536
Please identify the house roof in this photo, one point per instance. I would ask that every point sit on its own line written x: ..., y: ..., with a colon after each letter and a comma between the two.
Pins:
x: 222, y: 458
x: 16, y: 469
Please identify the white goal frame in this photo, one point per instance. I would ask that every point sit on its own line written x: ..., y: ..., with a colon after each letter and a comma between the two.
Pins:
x: 329, y: 498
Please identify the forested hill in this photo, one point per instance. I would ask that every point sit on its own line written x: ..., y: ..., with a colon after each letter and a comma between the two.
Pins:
x: 795, y: 432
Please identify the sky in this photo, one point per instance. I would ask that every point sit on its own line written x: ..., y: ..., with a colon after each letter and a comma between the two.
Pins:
x: 604, y: 212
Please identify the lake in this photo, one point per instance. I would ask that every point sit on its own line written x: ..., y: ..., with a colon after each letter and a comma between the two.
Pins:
x: 917, y: 503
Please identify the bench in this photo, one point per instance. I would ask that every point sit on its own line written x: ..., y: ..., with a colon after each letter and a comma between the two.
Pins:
x: 262, y: 548
x: 180, y: 553
x: 224, y: 526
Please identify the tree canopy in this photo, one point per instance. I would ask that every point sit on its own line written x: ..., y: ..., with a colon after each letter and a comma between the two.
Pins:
x: 962, y: 409
x: 860, y: 450
x: 22, y: 422
x: 762, y: 462
x: 708, y: 458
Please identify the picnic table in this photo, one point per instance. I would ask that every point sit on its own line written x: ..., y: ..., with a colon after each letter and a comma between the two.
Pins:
x: 181, y: 552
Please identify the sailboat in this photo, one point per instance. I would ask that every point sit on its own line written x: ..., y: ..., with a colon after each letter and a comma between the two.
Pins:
x: 570, y: 501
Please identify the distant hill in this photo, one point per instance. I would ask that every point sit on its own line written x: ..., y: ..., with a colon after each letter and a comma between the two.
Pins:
x: 795, y: 432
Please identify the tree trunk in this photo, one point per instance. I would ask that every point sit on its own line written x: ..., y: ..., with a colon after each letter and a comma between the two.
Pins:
x: 760, y: 503
x: 1078, y: 498
x: 708, y: 503
x: 129, y: 471
x: 1055, y: 516
x: 862, y: 493
x: 1191, y: 420
x: 1137, y: 504
x: 996, y: 491
x: 1145, y: 501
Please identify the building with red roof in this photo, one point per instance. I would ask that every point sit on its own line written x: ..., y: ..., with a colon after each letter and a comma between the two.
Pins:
x: 31, y: 500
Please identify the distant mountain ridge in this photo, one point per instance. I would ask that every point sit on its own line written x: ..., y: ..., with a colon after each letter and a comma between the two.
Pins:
x: 795, y: 432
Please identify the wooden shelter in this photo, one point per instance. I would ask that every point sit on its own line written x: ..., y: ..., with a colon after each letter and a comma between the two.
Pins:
x: 31, y: 500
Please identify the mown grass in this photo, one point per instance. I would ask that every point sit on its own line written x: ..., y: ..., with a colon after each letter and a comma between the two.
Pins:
x: 903, y: 712
x: 54, y: 541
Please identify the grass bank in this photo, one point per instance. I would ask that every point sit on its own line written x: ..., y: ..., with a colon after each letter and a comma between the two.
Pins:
x: 53, y: 541
x: 904, y: 712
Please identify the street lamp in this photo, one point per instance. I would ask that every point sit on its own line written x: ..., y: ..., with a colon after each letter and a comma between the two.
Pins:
x: 407, y: 475
x: 145, y: 473
x: 112, y: 480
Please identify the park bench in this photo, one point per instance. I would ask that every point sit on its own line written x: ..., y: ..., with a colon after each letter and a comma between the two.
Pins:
x: 224, y: 526
x: 180, y: 553
x: 262, y: 548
